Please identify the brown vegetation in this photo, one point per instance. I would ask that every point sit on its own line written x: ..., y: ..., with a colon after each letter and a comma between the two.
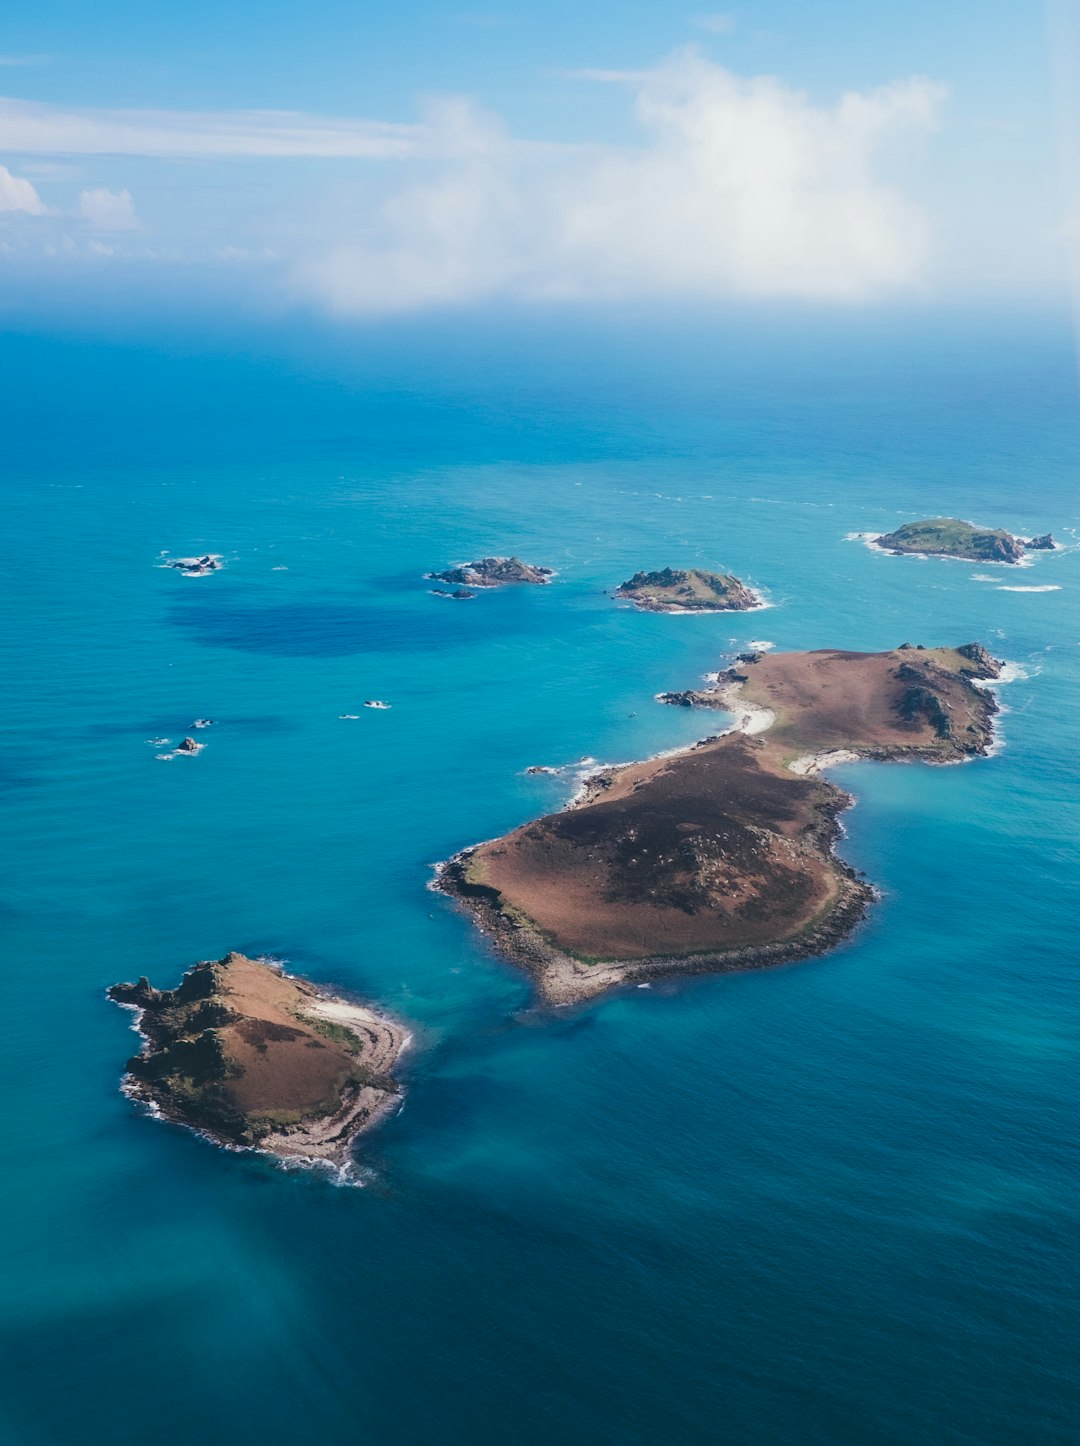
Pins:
x: 253, y: 1056
x: 721, y: 856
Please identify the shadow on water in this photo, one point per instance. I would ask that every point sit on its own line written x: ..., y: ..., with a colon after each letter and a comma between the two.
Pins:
x: 338, y: 628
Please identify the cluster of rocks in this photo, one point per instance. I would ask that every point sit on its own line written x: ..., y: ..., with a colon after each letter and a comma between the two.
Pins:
x: 920, y: 702
x: 197, y: 566
x: 491, y: 572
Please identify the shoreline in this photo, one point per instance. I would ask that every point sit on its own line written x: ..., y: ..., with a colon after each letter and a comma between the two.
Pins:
x: 760, y: 604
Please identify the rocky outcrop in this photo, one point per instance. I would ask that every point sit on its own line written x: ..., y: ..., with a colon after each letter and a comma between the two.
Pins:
x: 493, y: 572
x: 920, y: 703
x: 673, y: 589
x: 1045, y: 543
x: 984, y: 664
x: 197, y: 566
x: 695, y: 698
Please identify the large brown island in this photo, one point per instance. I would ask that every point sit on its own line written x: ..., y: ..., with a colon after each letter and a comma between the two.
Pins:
x: 251, y: 1056
x: 722, y: 857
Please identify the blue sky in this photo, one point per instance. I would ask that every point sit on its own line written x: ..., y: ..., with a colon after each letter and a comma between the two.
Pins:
x: 370, y: 159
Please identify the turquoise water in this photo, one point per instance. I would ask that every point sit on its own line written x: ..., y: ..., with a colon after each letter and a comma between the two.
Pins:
x: 832, y: 1204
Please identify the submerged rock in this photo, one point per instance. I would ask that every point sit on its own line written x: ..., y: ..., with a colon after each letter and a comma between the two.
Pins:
x: 197, y: 566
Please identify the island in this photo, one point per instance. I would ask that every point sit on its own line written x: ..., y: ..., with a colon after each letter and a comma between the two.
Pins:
x: 686, y: 590
x: 492, y: 572
x: 197, y: 566
x: 252, y: 1057
x: 722, y: 856
x: 949, y: 537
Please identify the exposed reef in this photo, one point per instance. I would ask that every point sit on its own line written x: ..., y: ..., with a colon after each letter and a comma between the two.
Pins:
x: 197, y: 566
x: 679, y: 590
x: 252, y: 1057
x: 722, y: 856
x: 949, y: 537
x: 492, y: 572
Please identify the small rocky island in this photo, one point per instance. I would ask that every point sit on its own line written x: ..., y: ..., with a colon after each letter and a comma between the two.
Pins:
x: 197, y: 566
x: 492, y: 572
x: 723, y: 856
x: 252, y: 1057
x: 949, y: 537
x: 681, y: 590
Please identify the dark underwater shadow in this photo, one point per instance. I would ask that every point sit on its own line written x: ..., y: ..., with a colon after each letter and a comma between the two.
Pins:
x: 338, y: 628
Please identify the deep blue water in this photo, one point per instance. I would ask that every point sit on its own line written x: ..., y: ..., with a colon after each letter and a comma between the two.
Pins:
x: 833, y: 1204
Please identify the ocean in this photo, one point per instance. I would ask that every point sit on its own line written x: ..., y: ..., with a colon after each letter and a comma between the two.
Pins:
x: 834, y: 1203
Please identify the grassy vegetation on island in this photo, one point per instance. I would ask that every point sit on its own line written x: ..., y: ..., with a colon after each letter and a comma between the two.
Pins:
x: 673, y: 589
x: 950, y: 537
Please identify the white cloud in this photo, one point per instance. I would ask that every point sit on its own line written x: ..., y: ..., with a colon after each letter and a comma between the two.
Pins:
x: 17, y: 194
x: 108, y: 210
x: 735, y: 187
x: 742, y: 187
x: 28, y: 128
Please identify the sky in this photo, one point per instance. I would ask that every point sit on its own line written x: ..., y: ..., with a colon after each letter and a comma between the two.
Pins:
x: 370, y: 160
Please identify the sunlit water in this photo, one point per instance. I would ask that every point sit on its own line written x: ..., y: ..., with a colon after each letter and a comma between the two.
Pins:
x: 832, y: 1204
